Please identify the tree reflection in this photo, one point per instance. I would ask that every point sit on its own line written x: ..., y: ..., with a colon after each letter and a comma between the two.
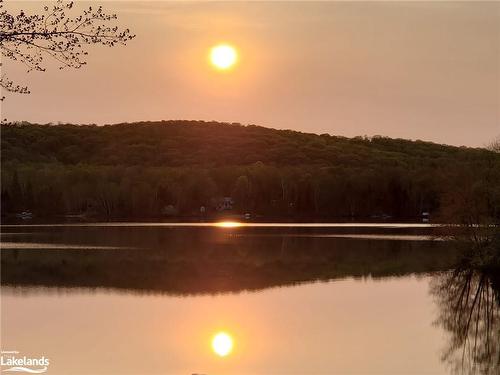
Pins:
x: 469, y: 304
x: 207, y: 260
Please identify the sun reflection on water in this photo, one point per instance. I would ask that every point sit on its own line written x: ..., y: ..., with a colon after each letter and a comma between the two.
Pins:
x: 222, y: 344
x: 228, y: 224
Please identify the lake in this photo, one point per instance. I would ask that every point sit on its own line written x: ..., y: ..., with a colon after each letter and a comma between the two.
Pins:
x: 148, y: 298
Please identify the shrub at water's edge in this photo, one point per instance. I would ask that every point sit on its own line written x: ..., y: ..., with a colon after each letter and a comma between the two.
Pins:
x: 480, y: 251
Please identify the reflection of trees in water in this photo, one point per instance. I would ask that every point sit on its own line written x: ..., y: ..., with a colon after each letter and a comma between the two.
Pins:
x: 469, y: 304
x: 213, y: 261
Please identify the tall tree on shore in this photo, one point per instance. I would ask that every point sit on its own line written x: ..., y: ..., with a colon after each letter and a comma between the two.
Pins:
x: 495, y: 144
x: 59, y: 32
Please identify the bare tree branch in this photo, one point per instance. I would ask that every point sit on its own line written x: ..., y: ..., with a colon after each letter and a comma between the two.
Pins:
x: 60, y: 33
x: 495, y: 145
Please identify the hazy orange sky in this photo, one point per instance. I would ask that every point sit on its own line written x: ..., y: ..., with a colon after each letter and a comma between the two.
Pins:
x: 419, y: 70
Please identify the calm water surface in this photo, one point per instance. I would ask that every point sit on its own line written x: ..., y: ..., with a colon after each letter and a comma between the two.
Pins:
x: 147, y: 299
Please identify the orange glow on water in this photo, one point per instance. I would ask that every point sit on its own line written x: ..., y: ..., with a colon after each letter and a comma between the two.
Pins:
x: 228, y: 224
x: 222, y: 344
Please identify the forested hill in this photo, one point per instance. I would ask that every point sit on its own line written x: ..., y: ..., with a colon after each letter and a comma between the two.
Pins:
x: 173, y: 168
x: 182, y: 143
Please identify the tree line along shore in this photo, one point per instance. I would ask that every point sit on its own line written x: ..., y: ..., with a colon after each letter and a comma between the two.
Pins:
x: 176, y: 168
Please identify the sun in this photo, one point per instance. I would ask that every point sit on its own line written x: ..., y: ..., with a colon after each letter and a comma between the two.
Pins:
x: 222, y: 344
x: 223, y: 56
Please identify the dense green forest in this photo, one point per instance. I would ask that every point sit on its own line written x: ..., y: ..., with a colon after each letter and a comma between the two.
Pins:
x: 172, y: 168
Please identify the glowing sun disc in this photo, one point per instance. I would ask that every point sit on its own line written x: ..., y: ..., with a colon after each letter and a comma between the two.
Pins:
x: 223, y: 56
x: 222, y: 344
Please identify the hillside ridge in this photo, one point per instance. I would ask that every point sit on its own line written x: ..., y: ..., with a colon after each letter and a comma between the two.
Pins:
x: 184, y: 142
